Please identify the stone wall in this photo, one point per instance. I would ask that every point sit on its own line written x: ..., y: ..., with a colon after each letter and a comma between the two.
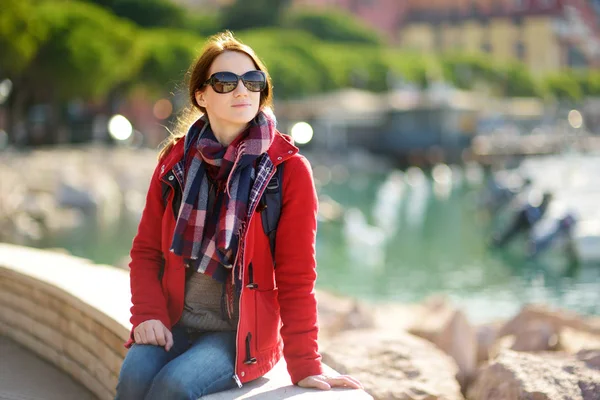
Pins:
x: 75, y: 314
x: 49, y: 307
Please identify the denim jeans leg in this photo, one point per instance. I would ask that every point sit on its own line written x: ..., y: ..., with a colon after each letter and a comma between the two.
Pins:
x: 143, y: 362
x: 206, y: 367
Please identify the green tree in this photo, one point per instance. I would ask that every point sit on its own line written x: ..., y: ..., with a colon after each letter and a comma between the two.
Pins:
x: 203, y: 24
x: 465, y: 70
x: 589, y: 82
x: 147, y: 13
x: 332, y: 26
x: 21, y: 34
x: 87, y: 53
x: 244, y: 14
x: 413, y: 67
x: 360, y: 66
x: 290, y: 58
x: 167, y: 56
x: 564, y: 86
x: 519, y: 82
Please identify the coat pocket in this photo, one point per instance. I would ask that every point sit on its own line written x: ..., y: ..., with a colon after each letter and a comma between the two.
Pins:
x: 268, y: 320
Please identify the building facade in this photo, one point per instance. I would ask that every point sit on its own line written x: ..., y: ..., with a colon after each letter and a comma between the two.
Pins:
x: 547, y: 35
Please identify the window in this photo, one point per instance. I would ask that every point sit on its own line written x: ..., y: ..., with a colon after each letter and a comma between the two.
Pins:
x: 521, y: 4
x: 520, y: 51
x: 518, y: 21
x: 575, y: 58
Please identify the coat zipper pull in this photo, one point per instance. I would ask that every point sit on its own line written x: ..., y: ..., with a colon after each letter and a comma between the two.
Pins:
x: 237, y: 380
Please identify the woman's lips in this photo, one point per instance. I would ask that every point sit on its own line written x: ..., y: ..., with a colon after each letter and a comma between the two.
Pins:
x: 241, y: 105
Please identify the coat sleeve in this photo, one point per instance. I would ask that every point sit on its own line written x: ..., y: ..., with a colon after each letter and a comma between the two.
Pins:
x: 295, y: 273
x: 148, y: 301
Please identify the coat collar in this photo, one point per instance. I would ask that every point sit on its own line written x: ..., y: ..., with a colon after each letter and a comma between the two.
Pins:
x: 281, y: 149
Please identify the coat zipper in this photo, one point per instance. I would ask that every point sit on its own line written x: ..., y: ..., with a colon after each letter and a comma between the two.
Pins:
x: 237, y: 380
x: 237, y: 332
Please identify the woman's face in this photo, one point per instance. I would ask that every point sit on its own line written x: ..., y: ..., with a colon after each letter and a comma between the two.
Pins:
x: 228, y: 110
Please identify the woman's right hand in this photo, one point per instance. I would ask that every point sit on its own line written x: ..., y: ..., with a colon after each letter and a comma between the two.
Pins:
x: 153, y: 332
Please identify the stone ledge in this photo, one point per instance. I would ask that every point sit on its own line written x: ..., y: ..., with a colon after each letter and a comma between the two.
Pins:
x: 70, y: 311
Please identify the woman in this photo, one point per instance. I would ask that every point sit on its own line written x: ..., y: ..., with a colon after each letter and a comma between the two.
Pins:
x: 210, y: 310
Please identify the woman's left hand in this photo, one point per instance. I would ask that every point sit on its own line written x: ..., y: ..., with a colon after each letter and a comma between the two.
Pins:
x: 325, y: 382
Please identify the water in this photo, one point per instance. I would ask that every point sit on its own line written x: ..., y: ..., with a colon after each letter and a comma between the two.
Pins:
x: 432, y: 244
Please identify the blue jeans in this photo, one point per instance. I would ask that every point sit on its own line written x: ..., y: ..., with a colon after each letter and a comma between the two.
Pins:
x: 194, y: 367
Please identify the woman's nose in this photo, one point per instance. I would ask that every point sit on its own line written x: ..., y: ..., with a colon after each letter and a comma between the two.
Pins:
x: 240, y: 89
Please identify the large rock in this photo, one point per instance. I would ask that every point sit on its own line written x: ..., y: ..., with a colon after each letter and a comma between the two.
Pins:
x: 394, y: 365
x: 338, y: 314
x: 591, y: 358
x: 573, y: 341
x: 555, y: 319
x: 486, y: 337
x: 539, y: 329
x: 448, y: 328
x: 397, y: 316
x: 533, y: 336
x: 551, y: 376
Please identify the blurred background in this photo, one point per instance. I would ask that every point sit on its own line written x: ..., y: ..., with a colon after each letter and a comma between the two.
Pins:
x: 455, y: 143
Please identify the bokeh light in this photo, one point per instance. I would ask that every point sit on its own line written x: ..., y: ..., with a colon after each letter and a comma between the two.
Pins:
x: 162, y: 109
x: 442, y: 174
x: 119, y: 127
x: 575, y: 119
x: 5, y: 89
x: 302, y: 132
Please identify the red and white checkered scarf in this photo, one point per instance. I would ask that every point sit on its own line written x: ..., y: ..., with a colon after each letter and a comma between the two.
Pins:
x: 206, y: 240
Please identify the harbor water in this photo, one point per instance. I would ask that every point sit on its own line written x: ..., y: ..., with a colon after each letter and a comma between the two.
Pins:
x: 402, y: 237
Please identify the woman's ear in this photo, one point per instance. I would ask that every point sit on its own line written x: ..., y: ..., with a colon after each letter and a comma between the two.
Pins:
x: 200, y: 98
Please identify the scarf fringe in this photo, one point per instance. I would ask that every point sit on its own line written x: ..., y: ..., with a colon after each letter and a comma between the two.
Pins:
x: 240, y: 152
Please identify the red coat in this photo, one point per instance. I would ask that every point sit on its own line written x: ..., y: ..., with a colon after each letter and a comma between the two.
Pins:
x: 282, y: 306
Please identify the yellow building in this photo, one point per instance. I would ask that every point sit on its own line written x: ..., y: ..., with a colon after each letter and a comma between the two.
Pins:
x: 547, y: 35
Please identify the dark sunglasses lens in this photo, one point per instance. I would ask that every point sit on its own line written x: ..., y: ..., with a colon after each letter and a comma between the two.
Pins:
x: 254, y: 81
x: 224, y: 82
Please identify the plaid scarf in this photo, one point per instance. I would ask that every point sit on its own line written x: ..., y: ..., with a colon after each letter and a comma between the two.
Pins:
x: 208, y: 241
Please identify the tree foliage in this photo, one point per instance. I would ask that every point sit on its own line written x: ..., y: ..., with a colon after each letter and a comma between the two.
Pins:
x: 21, y: 33
x: 58, y: 50
x: 289, y: 57
x: 203, y: 24
x: 88, y: 51
x: 332, y: 26
x: 147, y: 13
x: 167, y: 56
x: 564, y: 87
x: 244, y: 14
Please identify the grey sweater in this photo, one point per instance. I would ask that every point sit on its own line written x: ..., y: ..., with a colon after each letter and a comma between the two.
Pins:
x: 202, y: 310
x: 204, y: 306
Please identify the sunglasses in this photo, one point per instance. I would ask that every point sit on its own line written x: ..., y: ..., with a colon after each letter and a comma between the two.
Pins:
x: 225, y: 82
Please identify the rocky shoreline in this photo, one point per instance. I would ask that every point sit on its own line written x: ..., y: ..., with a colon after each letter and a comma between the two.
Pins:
x: 424, y: 351
x: 48, y: 190
x: 430, y: 351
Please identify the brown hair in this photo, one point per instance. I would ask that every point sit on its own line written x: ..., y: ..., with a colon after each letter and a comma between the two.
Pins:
x: 198, y: 74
